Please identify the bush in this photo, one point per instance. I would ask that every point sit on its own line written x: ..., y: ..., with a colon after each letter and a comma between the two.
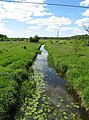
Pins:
x: 31, y: 39
x: 35, y: 39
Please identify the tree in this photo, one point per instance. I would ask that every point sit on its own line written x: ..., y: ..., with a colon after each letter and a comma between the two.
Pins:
x: 31, y: 39
x: 3, y: 37
x: 35, y: 39
x: 86, y: 28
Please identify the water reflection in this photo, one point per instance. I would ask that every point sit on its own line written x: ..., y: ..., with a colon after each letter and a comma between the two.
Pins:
x: 54, y: 82
x: 56, y: 86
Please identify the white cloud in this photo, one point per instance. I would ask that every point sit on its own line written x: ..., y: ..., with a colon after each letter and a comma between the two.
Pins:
x: 78, y: 31
x: 48, y: 25
x: 51, y: 22
x: 22, y: 11
x: 25, y: 12
x: 44, y: 23
x: 3, y: 29
x: 86, y: 13
x: 82, y: 21
x: 51, y: 28
x: 34, y: 27
x: 71, y: 31
x: 84, y: 3
x: 69, y: 28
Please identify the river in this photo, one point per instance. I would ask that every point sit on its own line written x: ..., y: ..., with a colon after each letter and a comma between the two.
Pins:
x: 56, y: 90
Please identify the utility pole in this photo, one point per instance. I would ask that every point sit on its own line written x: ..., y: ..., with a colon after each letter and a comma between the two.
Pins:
x: 57, y: 33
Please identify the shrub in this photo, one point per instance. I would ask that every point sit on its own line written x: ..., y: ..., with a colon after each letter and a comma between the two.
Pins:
x: 35, y: 39
x: 31, y: 39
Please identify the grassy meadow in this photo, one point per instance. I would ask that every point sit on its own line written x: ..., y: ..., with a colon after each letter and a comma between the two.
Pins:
x: 21, y: 91
x: 15, y: 61
x: 71, y: 60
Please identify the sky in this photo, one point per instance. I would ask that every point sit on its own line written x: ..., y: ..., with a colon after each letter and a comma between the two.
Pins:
x: 26, y: 19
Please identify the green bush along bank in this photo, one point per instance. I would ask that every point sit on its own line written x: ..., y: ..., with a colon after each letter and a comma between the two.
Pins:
x: 15, y: 60
x: 71, y: 60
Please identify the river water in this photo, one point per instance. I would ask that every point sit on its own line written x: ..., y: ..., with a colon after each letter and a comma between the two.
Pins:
x: 62, y: 101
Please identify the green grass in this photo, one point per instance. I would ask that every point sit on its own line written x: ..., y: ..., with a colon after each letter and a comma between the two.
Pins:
x: 71, y: 57
x: 15, y: 60
x: 17, y: 87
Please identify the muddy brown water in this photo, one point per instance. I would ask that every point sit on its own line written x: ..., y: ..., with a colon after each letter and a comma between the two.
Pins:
x: 56, y: 86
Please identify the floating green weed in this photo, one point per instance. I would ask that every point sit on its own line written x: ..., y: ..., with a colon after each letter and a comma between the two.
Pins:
x: 41, y: 106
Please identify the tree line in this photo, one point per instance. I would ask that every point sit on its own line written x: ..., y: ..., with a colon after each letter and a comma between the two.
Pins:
x: 30, y: 39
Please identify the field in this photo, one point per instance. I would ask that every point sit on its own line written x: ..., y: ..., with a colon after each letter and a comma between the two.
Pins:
x: 71, y: 60
x: 22, y: 90
x: 15, y: 61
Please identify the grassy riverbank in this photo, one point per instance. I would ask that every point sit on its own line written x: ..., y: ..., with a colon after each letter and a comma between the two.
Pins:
x: 71, y: 57
x: 15, y: 60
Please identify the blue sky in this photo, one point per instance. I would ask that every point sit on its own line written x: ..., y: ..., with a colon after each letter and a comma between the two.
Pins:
x: 25, y: 19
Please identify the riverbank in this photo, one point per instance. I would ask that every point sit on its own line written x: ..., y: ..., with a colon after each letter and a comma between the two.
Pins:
x: 71, y: 58
x: 50, y: 99
x: 15, y: 60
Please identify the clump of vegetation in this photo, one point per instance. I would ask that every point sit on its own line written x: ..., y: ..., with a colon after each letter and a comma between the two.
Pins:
x: 14, y: 75
x: 38, y: 105
x: 0, y: 51
x: 35, y: 39
x: 3, y: 37
x: 24, y: 47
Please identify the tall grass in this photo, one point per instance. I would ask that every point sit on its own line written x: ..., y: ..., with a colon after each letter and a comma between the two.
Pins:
x: 73, y: 55
x: 15, y: 60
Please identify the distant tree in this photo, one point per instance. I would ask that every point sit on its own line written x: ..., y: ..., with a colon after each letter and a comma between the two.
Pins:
x: 31, y: 39
x: 35, y: 39
x: 86, y: 28
x: 3, y: 37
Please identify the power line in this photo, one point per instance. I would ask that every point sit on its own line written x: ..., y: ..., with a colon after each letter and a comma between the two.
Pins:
x: 52, y: 4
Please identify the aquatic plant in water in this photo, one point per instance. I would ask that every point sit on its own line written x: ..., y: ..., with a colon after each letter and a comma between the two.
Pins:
x: 42, y: 107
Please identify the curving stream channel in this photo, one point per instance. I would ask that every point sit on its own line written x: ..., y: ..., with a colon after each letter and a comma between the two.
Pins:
x: 63, y: 106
